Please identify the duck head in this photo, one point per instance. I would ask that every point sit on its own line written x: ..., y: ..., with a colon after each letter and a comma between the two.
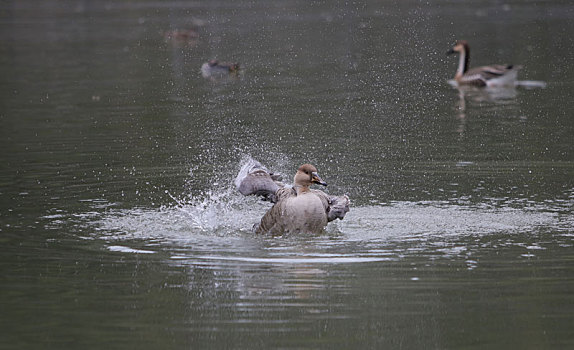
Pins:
x: 307, y: 175
x: 234, y: 67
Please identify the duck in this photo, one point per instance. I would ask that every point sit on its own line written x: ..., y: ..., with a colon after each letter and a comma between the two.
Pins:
x: 180, y: 35
x: 214, y: 68
x: 486, y: 76
x: 296, y: 208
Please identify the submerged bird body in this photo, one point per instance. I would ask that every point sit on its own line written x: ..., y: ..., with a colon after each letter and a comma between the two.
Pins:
x: 214, y: 68
x: 295, y: 213
x: 493, y: 75
x: 295, y: 209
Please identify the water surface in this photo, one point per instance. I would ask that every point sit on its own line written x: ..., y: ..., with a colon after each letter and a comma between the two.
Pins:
x: 120, y: 226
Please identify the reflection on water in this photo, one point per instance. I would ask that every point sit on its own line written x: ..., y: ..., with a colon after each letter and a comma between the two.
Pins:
x: 490, y: 95
x: 480, y: 96
x: 120, y: 226
x: 388, y: 256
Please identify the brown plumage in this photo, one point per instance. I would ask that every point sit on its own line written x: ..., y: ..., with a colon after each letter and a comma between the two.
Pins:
x: 493, y: 75
x: 296, y: 209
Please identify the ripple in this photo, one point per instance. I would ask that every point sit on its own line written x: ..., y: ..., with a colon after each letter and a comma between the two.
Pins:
x: 122, y: 249
x: 215, y: 233
x: 303, y: 260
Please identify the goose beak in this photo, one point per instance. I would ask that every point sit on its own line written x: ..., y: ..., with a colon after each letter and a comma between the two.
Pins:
x: 450, y: 52
x: 317, y: 180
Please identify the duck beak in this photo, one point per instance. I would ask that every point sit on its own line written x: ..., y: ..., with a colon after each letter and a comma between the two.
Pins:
x: 317, y: 180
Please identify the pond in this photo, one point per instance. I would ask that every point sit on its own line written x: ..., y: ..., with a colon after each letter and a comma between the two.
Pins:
x: 121, y: 227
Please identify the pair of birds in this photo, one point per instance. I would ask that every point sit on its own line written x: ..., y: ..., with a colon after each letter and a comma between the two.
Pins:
x: 299, y: 208
x: 493, y: 75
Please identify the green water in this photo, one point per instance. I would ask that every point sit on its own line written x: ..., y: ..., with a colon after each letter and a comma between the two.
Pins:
x: 120, y: 226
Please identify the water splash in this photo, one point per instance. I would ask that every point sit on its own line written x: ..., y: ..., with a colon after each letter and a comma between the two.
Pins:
x: 216, y: 233
x: 531, y: 84
x: 413, y: 220
x: 528, y: 84
x: 226, y: 214
x: 218, y: 213
x: 222, y: 211
x: 215, y: 228
x: 122, y: 249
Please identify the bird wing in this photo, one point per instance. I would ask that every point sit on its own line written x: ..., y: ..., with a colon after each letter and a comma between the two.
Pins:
x: 273, y: 221
x: 480, y: 75
x: 255, y: 179
x: 335, y: 206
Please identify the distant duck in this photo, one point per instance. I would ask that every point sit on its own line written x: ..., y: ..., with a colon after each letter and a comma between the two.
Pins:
x: 181, y: 36
x: 296, y: 208
x: 215, y: 69
x: 490, y: 76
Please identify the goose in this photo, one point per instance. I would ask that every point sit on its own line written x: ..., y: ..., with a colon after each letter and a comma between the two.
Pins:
x: 214, y: 68
x: 493, y: 75
x: 296, y: 208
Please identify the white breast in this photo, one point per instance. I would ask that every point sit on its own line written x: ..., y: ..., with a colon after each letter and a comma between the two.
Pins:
x: 304, y: 213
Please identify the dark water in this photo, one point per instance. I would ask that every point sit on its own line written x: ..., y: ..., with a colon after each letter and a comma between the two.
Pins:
x: 120, y: 226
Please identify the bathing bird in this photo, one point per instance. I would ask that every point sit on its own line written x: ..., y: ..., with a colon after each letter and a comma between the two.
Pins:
x: 296, y: 208
x: 216, y: 69
x: 490, y: 76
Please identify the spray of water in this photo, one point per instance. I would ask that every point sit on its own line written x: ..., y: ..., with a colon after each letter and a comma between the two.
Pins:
x: 216, y: 226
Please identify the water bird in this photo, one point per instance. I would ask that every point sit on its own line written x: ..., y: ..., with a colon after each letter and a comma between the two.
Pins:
x: 296, y: 208
x: 181, y: 36
x: 216, y: 69
x: 489, y: 76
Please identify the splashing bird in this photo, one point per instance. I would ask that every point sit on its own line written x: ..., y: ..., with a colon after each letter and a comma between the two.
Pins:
x: 296, y: 208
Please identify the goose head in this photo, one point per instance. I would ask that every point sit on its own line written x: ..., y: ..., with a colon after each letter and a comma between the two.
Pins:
x: 461, y: 47
x: 306, y: 176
